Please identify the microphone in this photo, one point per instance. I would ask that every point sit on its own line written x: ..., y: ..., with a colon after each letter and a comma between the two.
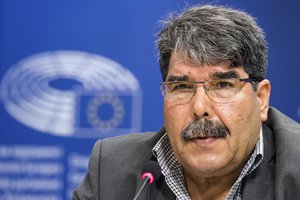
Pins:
x: 150, y: 173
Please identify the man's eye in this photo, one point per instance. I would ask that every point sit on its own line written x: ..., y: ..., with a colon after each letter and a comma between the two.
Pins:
x: 182, y: 86
x: 223, y: 85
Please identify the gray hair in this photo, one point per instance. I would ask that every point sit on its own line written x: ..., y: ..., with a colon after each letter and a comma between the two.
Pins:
x: 214, y: 35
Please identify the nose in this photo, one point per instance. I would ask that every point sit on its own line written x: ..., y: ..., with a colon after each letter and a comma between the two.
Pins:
x: 201, y: 104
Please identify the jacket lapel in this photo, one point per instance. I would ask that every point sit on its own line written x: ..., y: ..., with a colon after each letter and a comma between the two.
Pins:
x: 260, y: 183
x: 160, y: 191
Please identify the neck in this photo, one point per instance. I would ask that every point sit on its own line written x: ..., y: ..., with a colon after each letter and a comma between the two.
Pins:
x: 207, y: 188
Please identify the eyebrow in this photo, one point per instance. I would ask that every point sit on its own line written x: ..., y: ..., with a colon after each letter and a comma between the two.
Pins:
x: 222, y: 75
x: 178, y: 78
x: 214, y: 75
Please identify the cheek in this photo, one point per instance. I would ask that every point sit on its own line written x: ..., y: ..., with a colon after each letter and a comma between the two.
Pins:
x: 234, y: 117
x: 175, y: 120
x: 242, y: 119
x: 168, y: 115
x: 169, y: 120
x: 229, y: 114
x: 238, y: 114
x: 175, y: 116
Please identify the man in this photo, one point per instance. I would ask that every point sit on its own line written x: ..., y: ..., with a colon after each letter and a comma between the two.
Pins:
x: 220, y: 138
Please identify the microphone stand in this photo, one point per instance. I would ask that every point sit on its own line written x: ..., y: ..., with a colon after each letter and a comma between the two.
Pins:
x: 142, y: 187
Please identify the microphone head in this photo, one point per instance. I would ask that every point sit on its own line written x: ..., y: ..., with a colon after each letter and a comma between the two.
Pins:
x: 152, y: 170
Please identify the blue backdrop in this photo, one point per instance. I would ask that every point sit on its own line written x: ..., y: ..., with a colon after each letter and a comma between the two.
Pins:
x: 75, y: 71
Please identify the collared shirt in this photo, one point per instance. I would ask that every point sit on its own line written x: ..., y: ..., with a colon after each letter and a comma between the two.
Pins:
x: 173, y: 172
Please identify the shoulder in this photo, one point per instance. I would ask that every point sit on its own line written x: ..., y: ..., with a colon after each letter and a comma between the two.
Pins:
x: 286, y: 131
x: 146, y: 137
x: 114, y: 163
x: 131, y: 142
x: 121, y: 148
x: 120, y: 162
x: 277, y: 121
x: 286, y: 134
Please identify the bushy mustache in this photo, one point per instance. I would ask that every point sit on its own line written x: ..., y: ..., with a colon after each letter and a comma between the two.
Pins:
x: 205, y: 128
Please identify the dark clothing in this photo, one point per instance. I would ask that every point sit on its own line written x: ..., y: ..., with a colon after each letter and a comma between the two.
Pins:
x: 115, y: 166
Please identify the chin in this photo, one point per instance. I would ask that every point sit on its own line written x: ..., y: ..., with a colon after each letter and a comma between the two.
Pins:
x: 208, y: 167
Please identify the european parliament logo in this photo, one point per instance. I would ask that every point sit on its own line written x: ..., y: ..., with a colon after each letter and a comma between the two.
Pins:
x: 73, y: 94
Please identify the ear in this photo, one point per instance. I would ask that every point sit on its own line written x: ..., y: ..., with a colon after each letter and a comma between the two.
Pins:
x: 263, y: 96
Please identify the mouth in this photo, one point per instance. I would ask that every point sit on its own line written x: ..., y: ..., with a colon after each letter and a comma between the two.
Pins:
x: 204, y: 141
x: 203, y: 137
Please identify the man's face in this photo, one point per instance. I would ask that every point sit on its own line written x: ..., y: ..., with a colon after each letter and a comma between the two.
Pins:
x: 242, y: 116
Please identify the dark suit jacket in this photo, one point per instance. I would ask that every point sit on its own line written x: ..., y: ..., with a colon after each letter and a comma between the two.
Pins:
x: 115, y: 166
